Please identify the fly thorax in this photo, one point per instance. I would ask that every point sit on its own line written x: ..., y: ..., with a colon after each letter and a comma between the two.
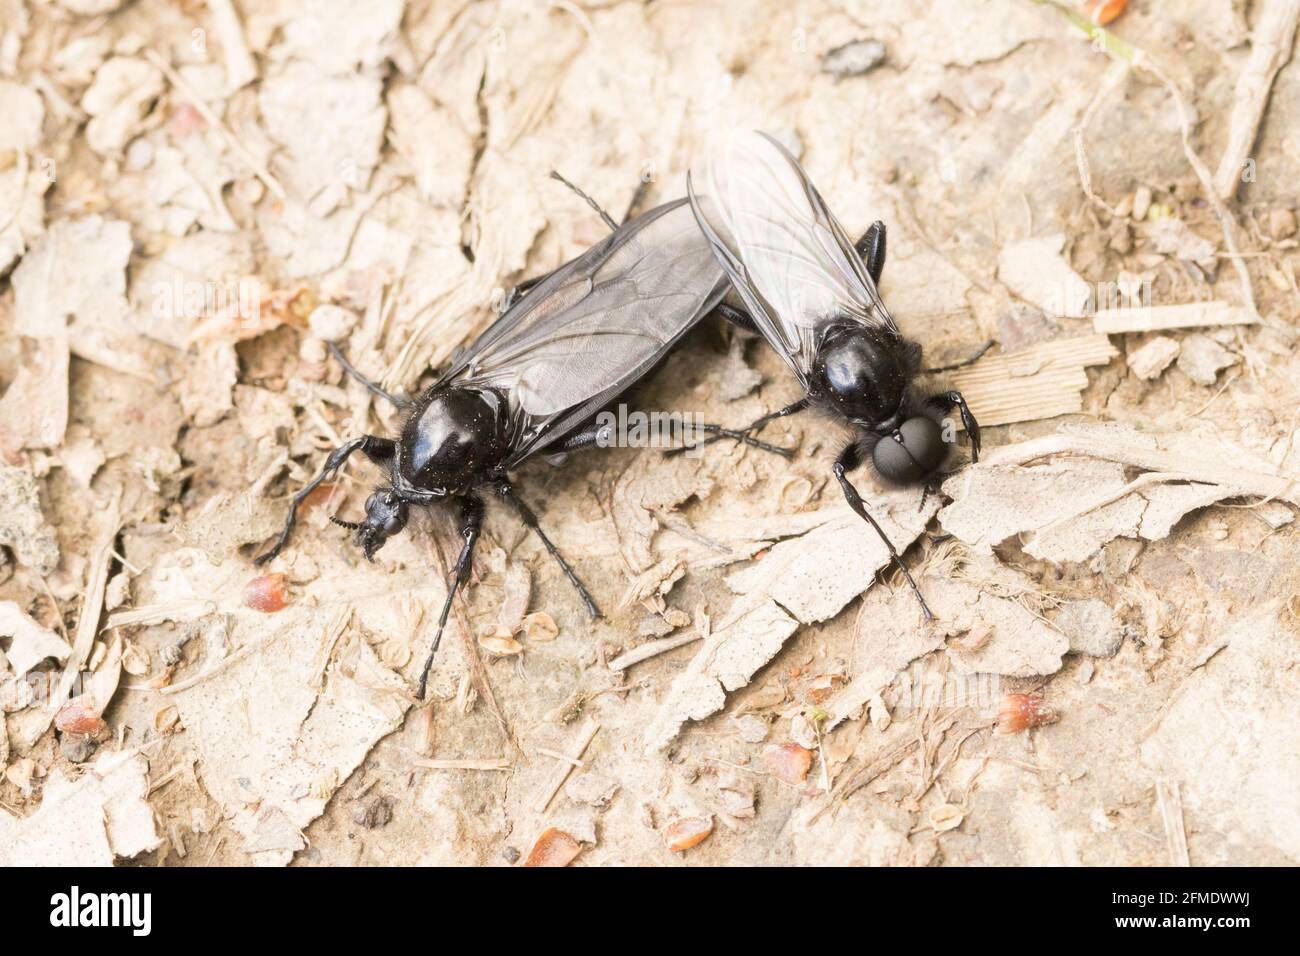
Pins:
x: 859, y: 371
x: 452, y: 438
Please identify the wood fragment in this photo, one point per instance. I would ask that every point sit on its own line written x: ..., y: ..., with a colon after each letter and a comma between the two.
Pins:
x: 1270, y: 49
x: 88, y: 624
x: 468, y: 763
x: 240, y: 66
x: 1188, y: 315
x: 556, y: 755
x: 1171, y: 812
x: 585, y: 737
x: 197, y: 101
x: 653, y: 649
x: 1042, y: 381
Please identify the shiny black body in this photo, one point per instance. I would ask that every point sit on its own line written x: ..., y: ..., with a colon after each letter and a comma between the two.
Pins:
x: 532, y: 382
x: 813, y: 296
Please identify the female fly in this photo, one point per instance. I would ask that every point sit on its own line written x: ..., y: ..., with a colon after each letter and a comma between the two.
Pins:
x: 532, y: 383
x: 810, y: 295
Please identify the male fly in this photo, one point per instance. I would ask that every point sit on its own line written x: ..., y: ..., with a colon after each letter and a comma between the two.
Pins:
x: 532, y: 383
x: 810, y: 294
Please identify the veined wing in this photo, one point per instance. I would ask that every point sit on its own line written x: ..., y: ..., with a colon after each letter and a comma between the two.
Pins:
x: 596, y: 325
x: 781, y: 247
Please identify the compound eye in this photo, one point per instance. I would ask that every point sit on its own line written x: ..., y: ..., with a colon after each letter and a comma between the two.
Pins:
x: 913, y: 453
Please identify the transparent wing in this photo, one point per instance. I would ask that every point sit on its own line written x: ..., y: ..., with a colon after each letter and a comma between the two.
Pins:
x: 784, y: 252
x: 596, y: 325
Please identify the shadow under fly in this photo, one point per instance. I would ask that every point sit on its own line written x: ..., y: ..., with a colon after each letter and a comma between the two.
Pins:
x: 812, y: 295
x: 532, y: 383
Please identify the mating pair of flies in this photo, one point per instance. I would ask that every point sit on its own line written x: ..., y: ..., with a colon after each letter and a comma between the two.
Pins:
x: 580, y: 336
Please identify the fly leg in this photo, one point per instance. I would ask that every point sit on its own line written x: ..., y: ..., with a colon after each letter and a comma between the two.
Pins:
x: 516, y: 292
x: 530, y: 519
x: 964, y: 362
x: 374, y: 387
x: 470, y: 525
x: 791, y: 409
x: 737, y: 317
x: 585, y: 438
x: 945, y: 402
x: 376, y: 449
x: 717, y: 433
x: 849, y: 459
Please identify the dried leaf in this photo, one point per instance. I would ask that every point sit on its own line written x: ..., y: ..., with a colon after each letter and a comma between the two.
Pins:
x: 539, y: 627
x: 553, y: 848
x: 789, y: 763
x: 501, y: 644
x: 686, y: 832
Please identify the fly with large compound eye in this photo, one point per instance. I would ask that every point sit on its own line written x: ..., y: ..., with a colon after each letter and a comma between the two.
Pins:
x: 812, y: 295
x: 532, y: 383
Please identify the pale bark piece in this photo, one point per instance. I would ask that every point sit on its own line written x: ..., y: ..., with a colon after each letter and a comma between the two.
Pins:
x: 1035, y: 270
x: 729, y: 658
x: 1223, y: 737
x: 241, y: 69
x: 1155, y: 318
x: 22, y: 524
x: 1270, y: 50
x: 889, y: 649
x: 29, y: 642
x: 1153, y: 358
x: 74, y: 278
x: 802, y: 580
x: 117, y: 101
x: 815, y: 575
x: 1042, y: 381
x: 1202, y: 359
x: 25, y: 180
x: 1069, y: 494
x: 94, y: 820
x: 1021, y: 643
x: 271, y: 736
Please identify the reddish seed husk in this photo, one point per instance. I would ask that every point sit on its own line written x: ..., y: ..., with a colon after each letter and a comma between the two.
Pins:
x: 1019, y: 712
x: 267, y: 592
x: 78, y: 716
x: 553, y: 848
x: 687, y: 832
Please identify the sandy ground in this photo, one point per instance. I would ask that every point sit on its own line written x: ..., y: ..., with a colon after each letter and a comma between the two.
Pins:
x: 193, y: 194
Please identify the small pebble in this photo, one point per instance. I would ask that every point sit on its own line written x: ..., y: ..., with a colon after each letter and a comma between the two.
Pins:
x: 853, y: 59
x: 373, y: 813
x: 1141, y: 203
x: 139, y: 155
x: 1280, y: 223
x: 76, y: 748
x: 332, y: 323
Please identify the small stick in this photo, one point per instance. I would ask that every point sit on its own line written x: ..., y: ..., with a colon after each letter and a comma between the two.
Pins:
x: 1171, y: 812
x: 1270, y: 49
x: 556, y: 755
x: 653, y: 649
x: 585, y: 737
x: 215, y: 669
x: 468, y: 763
x: 176, y: 80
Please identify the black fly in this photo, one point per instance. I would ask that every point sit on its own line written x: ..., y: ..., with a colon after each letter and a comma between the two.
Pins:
x: 532, y: 383
x: 809, y: 294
